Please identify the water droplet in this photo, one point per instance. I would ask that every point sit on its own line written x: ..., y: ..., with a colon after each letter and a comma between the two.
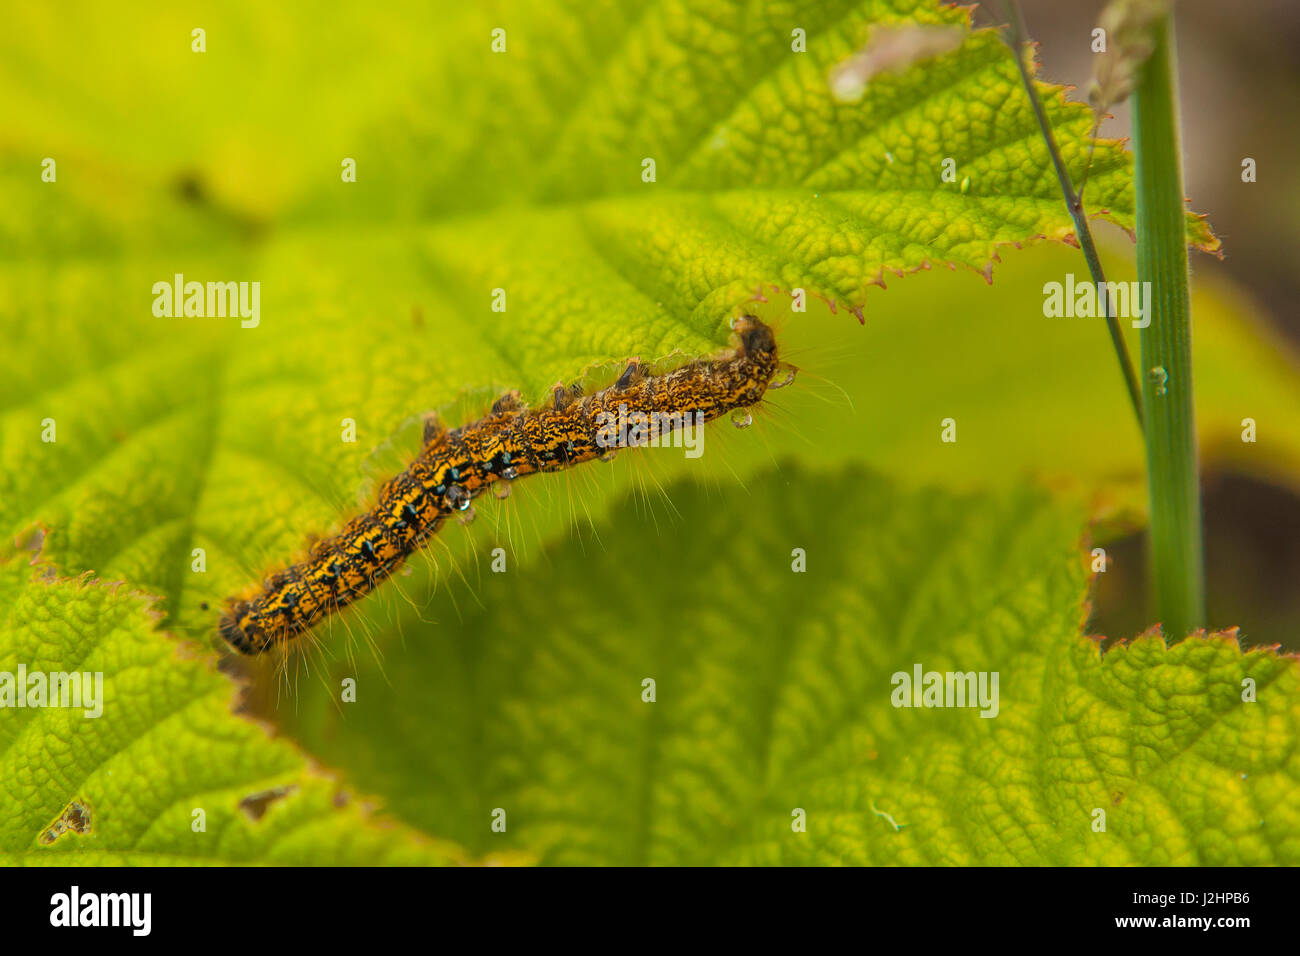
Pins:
x: 847, y: 82
x: 468, y: 515
x: 510, y: 473
x: 501, y: 490
x: 790, y: 372
x: 456, y: 498
x: 609, y: 454
x: 1160, y: 378
x: 741, y: 418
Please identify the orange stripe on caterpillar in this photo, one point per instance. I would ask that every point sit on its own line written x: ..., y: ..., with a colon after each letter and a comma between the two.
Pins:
x: 456, y: 466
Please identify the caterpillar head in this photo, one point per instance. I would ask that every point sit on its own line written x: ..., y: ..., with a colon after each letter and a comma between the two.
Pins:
x: 756, y: 339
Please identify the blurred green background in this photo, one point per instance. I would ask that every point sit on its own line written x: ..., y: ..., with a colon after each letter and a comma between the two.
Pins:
x: 1237, y: 77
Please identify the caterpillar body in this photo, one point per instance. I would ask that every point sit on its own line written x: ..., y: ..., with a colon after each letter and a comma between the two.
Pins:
x: 457, y: 465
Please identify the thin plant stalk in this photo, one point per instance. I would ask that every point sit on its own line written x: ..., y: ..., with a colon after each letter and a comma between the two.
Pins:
x: 1177, y: 563
x: 1019, y: 37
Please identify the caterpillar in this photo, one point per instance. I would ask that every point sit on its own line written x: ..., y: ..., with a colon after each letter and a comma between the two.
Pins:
x: 455, y: 466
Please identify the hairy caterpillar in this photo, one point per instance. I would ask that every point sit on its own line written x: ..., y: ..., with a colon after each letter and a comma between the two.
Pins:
x: 456, y: 466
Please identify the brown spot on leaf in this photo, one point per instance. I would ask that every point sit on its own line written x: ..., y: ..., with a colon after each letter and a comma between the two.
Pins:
x: 75, y: 818
x: 255, y: 804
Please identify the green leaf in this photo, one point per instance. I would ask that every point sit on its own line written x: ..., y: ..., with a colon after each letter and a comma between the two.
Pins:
x: 121, y: 786
x: 773, y: 692
x: 762, y: 177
